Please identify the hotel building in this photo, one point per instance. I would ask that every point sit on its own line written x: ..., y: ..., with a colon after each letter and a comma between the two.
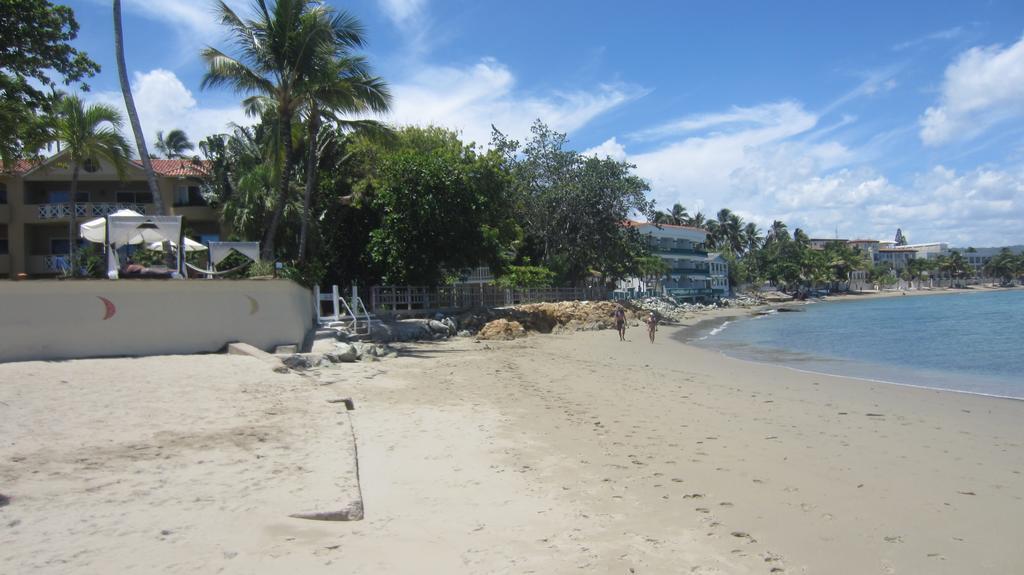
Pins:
x: 35, y: 206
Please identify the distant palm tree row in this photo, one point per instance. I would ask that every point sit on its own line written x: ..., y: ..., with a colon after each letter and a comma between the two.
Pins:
x: 726, y: 231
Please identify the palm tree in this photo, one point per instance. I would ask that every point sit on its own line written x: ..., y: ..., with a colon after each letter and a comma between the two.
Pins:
x: 89, y: 135
x: 697, y: 220
x: 342, y: 86
x: 801, y: 238
x: 278, y: 55
x: 174, y: 145
x: 679, y: 215
x: 777, y: 233
x: 133, y: 115
x: 751, y: 238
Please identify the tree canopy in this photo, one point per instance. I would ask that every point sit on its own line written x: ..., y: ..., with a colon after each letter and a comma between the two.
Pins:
x: 35, y: 45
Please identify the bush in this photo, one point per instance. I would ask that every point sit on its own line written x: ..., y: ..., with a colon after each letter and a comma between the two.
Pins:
x: 526, y: 277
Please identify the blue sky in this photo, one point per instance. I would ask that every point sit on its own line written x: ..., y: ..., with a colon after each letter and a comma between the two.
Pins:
x: 858, y: 116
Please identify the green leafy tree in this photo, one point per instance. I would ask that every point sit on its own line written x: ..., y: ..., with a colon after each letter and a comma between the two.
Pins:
x: 35, y: 55
x: 277, y: 54
x: 89, y: 135
x: 341, y: 86
x: 526, y: 277
x: 443, y: 207
x: 573, y: 207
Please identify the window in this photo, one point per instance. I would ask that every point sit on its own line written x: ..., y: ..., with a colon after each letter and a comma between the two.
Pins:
x: 188, y: 195
x: 58, y: 246
x: 130, y: 197
x: 3, y: 246
x: 62, y: 196
x: 3, y: 194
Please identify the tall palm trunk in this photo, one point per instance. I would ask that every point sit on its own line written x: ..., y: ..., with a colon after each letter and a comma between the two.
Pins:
x: 73, y: 221
x: 282, y: 190
x: 311, y: 162
x: 133, y: 117
x: 133, y: 114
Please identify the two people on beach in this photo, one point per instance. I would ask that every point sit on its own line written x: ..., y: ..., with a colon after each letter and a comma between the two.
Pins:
x: 620, y: 323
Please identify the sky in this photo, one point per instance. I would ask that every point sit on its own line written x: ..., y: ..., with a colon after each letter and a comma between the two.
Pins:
x: 840, y: 118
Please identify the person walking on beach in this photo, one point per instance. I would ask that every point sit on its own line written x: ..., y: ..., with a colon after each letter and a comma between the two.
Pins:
x: 652, y: 325
x: 620, y: 322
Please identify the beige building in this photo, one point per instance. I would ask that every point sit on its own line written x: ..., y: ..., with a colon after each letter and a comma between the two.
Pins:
x: 35, y: 207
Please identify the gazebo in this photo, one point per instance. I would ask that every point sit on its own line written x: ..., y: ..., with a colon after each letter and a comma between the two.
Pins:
x: 126, y: 227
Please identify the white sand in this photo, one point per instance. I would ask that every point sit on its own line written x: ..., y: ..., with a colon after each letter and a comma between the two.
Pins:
x: 174, y: 464
x: 551, y: 454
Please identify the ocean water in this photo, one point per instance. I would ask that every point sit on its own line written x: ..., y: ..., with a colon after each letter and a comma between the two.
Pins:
x: 965, y: 341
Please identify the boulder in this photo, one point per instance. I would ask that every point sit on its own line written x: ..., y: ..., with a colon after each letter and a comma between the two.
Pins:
x: 300, y: 362
x: 437, y: 327
x: 345, y: 353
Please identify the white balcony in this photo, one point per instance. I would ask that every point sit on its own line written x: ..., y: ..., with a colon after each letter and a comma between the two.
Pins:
x: 84, y: 210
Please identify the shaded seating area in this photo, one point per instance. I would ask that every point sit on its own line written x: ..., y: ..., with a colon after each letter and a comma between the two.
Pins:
x: 124, y: 228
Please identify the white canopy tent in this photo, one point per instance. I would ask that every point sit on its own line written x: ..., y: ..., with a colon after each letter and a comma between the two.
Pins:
x: 190, y: 246
x: 219, y: 251
x: 126, y: 227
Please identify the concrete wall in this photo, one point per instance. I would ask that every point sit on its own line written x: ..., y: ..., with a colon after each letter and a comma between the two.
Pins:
x: 53, y: 319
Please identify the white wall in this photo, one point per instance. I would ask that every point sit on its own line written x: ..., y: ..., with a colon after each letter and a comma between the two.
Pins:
x: 53, y: 319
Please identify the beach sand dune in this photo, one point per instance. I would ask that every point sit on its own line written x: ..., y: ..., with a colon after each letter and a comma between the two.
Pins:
x: 549, y: 454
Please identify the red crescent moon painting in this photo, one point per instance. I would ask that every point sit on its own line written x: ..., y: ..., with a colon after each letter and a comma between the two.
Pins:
x: 111, y: 309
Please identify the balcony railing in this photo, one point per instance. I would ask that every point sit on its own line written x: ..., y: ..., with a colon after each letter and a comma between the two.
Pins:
x: 687, y: 292
x: 85, y: 209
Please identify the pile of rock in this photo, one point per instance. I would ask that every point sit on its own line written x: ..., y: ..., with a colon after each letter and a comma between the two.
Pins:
x: 342, y: 353
x: 501, y: 329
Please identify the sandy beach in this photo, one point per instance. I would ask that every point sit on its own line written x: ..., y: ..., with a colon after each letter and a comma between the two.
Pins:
x: 549, y: 454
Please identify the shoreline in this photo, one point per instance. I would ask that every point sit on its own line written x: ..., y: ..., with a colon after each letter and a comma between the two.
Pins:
x: 688, y: 336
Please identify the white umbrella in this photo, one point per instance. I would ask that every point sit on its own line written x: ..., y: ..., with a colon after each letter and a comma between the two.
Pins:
x: 96, y: 230
x: 190, y: 246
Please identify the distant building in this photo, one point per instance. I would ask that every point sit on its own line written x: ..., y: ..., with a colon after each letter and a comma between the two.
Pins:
x: 820, y: 243
x: 898, y: 257
x: 683, y: 250
x: 929, y: 251
x: 869, y: 247
x: 981, y: 256
x: 718, y: 270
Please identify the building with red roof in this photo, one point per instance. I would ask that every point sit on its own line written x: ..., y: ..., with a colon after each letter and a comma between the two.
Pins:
x: 35, y: 206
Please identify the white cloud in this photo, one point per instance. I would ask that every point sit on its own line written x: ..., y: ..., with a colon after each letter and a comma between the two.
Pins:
x: 769, y: 117
x: 772, y: 162
x: 948, y: 34
x: 703, y: 166
x: 471, y: 99
x: 402, y: 12
x: 983, y: 87
x: 610, y: 148
x: 194, y: 19
x: 164, y: 103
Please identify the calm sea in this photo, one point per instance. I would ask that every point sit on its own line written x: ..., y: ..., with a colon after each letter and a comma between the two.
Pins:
x: 969, y: 341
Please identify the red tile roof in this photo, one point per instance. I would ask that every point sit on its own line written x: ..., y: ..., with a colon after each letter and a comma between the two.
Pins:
x: 179, y: 168
x: 18, y: 167
x: 166, y: 168
x: 635, y: 224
